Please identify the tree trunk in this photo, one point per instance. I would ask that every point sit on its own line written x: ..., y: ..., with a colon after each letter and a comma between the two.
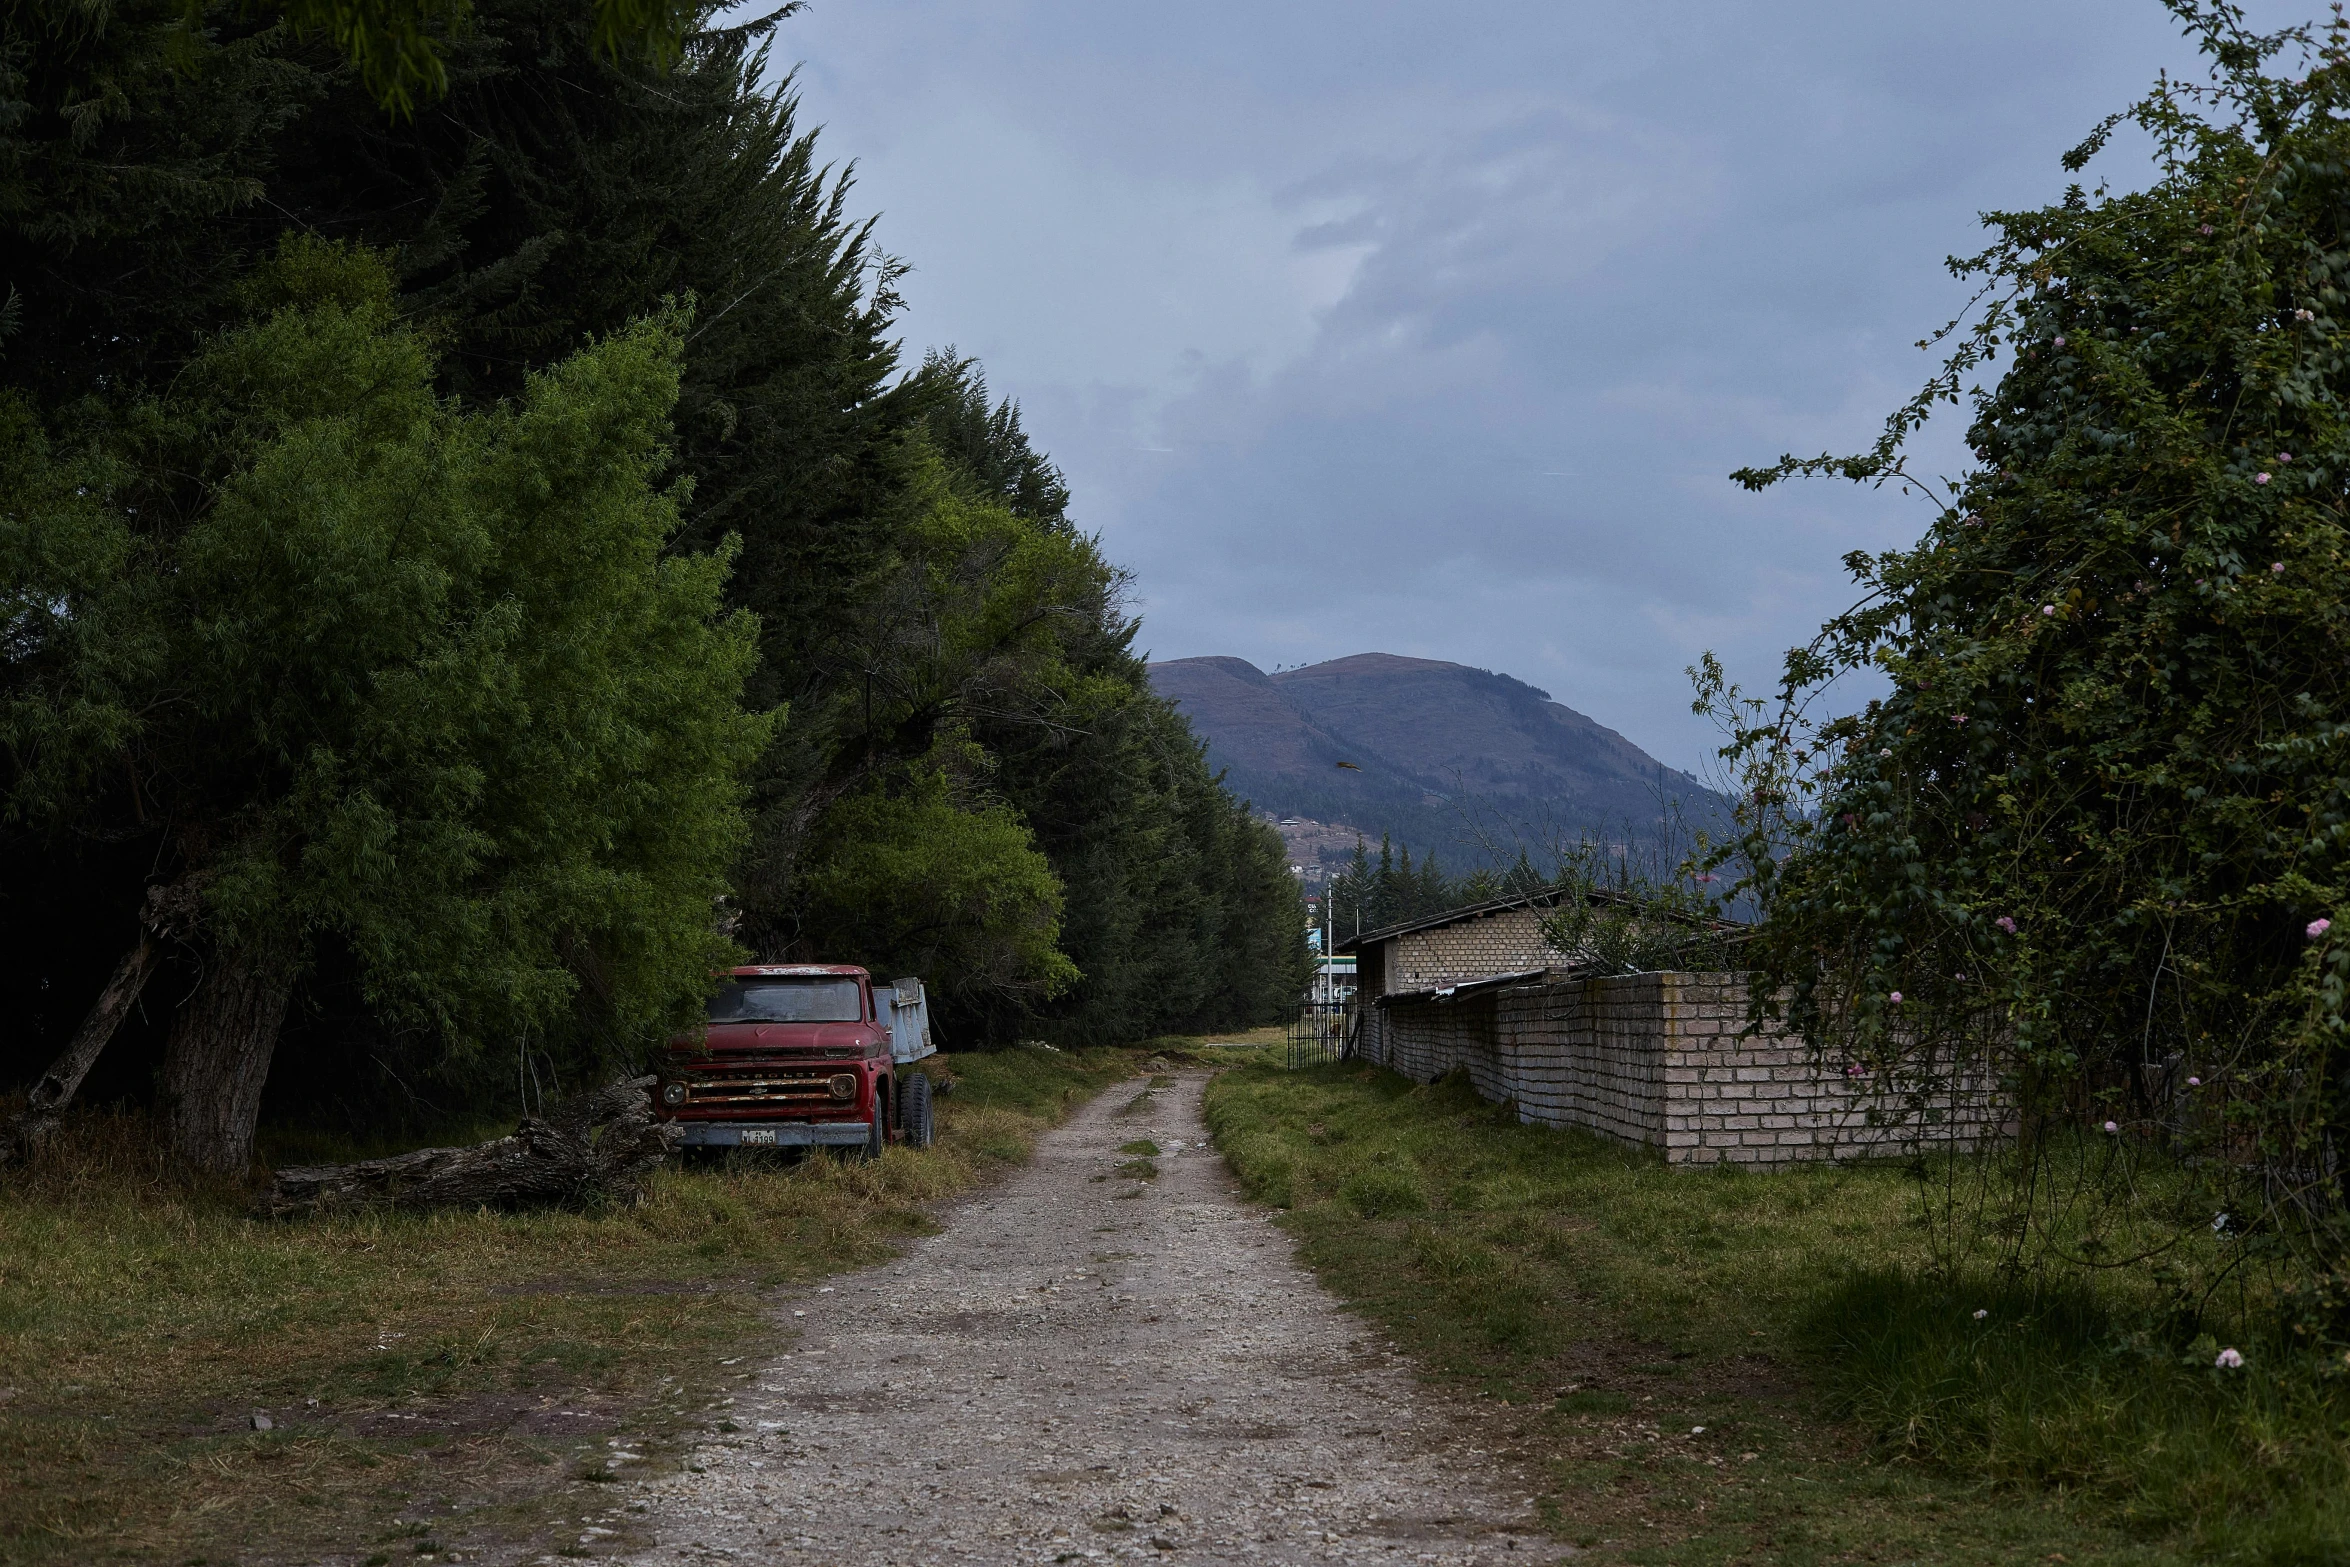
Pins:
x: 56, y: 1087
x: 598, y: 1147
x: 217, y: 1058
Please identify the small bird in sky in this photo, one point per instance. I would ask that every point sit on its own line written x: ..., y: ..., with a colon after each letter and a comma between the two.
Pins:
x: 1350, y: 767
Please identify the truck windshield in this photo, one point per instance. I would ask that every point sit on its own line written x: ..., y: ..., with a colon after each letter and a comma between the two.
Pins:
x: 787, y: 1001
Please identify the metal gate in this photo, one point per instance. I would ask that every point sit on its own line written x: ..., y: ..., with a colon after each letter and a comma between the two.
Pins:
x: 1318, y: 1033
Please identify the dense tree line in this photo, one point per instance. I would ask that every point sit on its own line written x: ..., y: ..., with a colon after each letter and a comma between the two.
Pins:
x: 1369, y: 894
x: 481, y: 566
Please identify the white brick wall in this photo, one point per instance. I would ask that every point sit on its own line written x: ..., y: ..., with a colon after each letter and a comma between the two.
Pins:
x: 1504, y: 942
x: 1661, y: 1059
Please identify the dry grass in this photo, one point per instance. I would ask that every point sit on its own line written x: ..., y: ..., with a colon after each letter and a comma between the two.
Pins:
x: 430, y: 1380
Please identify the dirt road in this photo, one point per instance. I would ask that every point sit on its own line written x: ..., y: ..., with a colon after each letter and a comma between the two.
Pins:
x: 1086, y: 1365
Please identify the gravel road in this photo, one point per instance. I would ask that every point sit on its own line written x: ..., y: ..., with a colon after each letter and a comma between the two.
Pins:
x: 1089, y: 1366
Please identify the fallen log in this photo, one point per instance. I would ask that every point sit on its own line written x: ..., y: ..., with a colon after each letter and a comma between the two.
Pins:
x: 598, y: 1147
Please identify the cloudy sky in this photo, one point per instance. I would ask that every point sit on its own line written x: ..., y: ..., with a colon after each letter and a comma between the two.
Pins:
x: 1433, y: 328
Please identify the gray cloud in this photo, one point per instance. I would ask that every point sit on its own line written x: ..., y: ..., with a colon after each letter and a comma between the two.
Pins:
x: 1434, y: 329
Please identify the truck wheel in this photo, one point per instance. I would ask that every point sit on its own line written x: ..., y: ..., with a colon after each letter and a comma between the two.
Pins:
x: 914, y: 1109
x: 878, y: 1138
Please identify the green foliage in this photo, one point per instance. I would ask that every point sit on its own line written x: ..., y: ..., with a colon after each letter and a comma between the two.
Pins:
x: 133, y: 140
x: 2088, y: 842
x: 1615, y: 920
x: 1366, y: 897
x: 395, y: 46
x: 1180, y: 911
x: 914, y: 882
x: 985, y: 445
x: 418, y: 681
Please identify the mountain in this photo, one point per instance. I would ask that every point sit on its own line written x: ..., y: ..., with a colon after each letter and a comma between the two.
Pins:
x: 1440, y: 755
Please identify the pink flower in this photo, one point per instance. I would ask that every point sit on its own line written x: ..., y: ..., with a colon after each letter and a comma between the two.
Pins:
x: 2284, y: 457
x: 1980, y: 1313
x: 1895, y: 998
x: 1958, y: 718
x: 2005, y: 924
x: 2277, y: 566
x: 2316, y: 928
x: 2204, y: 230
x: 2260, y: 478
x: 2060, y: 342
x: 2194, y: 1082
x: 2048, y: 609
x: 2230, y: 1360
x: 2113, y: 1126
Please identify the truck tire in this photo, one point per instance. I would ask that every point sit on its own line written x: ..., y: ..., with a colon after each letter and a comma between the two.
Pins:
x: 877, y: 1138
x: 914, y: 1110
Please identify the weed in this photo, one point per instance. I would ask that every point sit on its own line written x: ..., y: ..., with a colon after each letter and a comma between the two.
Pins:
x: 1382, y: 1192
x: 1611, y: 1307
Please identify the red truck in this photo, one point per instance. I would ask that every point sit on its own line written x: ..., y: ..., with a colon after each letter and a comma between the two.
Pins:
x: 801, y: 1055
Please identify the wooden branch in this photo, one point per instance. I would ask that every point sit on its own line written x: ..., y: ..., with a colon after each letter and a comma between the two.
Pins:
x: 599, y: 1147
x: 169, y: 914
x: 54, y: 1090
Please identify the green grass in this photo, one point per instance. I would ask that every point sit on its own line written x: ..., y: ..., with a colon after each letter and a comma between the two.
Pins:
x: 409, y: 1362
x: 1851, y: 1409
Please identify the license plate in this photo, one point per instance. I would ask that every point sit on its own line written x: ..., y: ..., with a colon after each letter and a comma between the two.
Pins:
x: 759, y: 1135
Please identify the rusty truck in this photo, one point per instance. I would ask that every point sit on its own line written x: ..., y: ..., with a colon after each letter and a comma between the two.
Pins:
x: 803, y: 1055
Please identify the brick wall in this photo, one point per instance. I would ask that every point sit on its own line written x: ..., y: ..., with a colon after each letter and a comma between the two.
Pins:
x: 1502, y: 942
x: 1659, y: 1059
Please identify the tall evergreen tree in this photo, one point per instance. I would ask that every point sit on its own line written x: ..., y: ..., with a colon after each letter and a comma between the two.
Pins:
x: 1356, y: 897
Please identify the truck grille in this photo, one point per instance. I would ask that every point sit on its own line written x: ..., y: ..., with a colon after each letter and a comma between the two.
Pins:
x: 769, y: 1087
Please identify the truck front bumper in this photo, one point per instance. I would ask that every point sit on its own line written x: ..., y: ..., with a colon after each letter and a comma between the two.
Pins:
x: 773, y: 1134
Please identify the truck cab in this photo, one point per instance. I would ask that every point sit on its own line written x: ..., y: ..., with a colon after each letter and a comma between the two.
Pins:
x: 799, y: 1055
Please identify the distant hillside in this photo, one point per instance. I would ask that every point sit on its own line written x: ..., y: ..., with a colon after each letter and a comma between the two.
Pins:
x: 1433, y: 746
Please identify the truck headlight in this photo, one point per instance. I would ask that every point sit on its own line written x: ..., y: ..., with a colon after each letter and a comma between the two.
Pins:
x: 844, y: 1087
x: 673, y: 1094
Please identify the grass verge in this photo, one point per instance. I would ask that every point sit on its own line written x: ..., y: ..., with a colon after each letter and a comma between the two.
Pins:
x: 1716, y: 1366
x: 428, y: 1382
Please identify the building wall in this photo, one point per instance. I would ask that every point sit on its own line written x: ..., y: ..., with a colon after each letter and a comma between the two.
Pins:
x: 1659, y: 1059
x: 1503, y: 942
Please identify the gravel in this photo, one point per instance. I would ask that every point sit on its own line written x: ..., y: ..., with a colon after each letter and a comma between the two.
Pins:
x: 1091, y: 1366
